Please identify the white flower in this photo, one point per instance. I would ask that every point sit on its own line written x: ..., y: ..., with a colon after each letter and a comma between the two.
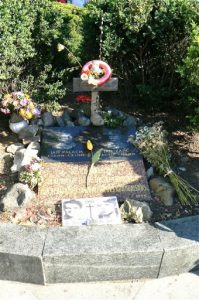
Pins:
x: 92, y: 80
x: 84, y: 77
x: 35, y: 167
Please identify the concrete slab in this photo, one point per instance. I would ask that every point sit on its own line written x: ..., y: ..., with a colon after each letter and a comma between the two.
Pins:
x: 180, y: 240
x: 102, y: 253
x: 21, y: 253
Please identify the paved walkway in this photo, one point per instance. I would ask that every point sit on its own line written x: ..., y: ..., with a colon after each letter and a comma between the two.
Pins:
x: 182, y: 287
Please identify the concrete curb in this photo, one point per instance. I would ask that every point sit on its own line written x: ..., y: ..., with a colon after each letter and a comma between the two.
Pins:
x: 96, y: 253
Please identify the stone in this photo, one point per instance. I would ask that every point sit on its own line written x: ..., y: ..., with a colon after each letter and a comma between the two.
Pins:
x: 69, y: 144
x: 115, y: 112
x: 84, y: 121
x: 66, y: 117
x: 64, y: 149
x: 180, y: 241
x: 34, y: 146
x: 136, y: 211
x: 150, y: 172
x: 21, y: 253
x: 48, y: 119
x: 29, y: 140
x: 106, y: 252
x: 163, y: 189
x: 130, y: 122
x: 37, y: 121
x: 60, y: 121
x: 29, y: 131
x: 194, y: 145
x: 14, y: 147
x: 23, y: 157
x: 19, y: 194
x: 70, y: 124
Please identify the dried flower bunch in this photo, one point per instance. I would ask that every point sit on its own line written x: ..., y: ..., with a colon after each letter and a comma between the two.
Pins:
x: 19, y: 103
x: 153, y: 145
x: 31, y: 174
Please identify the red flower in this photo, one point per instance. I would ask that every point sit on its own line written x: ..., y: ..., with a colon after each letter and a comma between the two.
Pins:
x: 83, y: 98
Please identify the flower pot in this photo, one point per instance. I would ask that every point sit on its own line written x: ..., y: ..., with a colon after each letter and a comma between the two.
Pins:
x: 18, y: 126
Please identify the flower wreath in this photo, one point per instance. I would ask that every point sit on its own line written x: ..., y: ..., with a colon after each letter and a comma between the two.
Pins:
x: 96, y: 72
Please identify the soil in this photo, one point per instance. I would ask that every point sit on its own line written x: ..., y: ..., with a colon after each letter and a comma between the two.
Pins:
x: 185, y: 153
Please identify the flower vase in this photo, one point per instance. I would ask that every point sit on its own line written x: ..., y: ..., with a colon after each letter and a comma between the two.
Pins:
x: 17, y: 123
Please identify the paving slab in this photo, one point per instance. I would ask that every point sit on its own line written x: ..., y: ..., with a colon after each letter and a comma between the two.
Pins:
x: 180, y: 241
x: 94, y: 253
x: 21, y: 253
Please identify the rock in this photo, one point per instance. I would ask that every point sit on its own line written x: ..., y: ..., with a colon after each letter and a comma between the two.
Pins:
x: 15, y: 118
x: 60, y: 121
x: 37, y: 121
x: 84, y: 121
x: 77, y: 113
x: 29, y: 131
x: 66, y: 117
x: 6, y: 163
x: 19, y: 194
x: 130, y: 122
x: 33, y: 146
x: 48, y: 119
x: 14, y: 147
x: 70, y: 124
x: 136, y: 211
x: 115, y: 112
x: 22, y: 158
x: 183, y: 169
x: 150, y: 172
x: 163, y: 189
x: 194, y: 145
x: 29, y: 140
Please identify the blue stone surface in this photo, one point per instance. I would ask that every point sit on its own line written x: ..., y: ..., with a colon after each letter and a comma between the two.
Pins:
x: 68, y: 144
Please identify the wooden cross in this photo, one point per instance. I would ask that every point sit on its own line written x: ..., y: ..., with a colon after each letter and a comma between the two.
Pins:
x: 83, y: 86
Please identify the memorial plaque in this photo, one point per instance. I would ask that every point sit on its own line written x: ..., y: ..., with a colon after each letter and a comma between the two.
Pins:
x: 90, y: 211
x: 120, y: 171
x: 68, y: 144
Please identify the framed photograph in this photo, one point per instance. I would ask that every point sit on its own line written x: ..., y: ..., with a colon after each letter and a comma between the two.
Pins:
x: 90, y: 211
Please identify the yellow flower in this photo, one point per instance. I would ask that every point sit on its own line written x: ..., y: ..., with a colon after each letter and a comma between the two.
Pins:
x: 22, y: 113
x: 8, y: 96
x: 31, y: 105
x: 60, y: 47
x: 89, y: 145
x: 28, y: 115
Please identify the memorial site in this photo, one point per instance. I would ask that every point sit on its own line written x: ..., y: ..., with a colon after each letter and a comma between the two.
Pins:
x: 99, y: 172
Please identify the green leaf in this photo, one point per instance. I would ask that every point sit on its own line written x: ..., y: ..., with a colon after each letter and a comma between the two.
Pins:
x: 96, y: 156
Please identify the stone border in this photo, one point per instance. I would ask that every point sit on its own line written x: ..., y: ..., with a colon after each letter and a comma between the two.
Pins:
x: 94, y: 253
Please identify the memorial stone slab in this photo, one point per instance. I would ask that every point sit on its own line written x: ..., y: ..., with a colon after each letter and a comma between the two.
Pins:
x: 107, y: 252
x: 120, y: 171
x: 21, y: 253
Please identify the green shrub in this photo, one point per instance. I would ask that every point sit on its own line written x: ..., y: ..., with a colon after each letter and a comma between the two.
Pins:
x: 144, y: 41
x: 189, y: 71
x: 29, y: 34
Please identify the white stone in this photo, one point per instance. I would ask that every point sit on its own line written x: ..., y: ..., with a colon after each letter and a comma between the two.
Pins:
x: 14, y: 147
x: 19, y: 194
x: 136, y: 211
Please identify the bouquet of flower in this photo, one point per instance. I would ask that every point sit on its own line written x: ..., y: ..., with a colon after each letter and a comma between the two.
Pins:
x: 31, y: 174
x: 152, y: 143
x: 19, y: 103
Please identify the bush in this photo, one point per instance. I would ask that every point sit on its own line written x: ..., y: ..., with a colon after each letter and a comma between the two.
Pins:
x: 144, y: 41
x: 189, y: 71
x: 29, y: 34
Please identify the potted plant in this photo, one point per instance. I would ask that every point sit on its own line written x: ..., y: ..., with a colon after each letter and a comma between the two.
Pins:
x: 21, y: 108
